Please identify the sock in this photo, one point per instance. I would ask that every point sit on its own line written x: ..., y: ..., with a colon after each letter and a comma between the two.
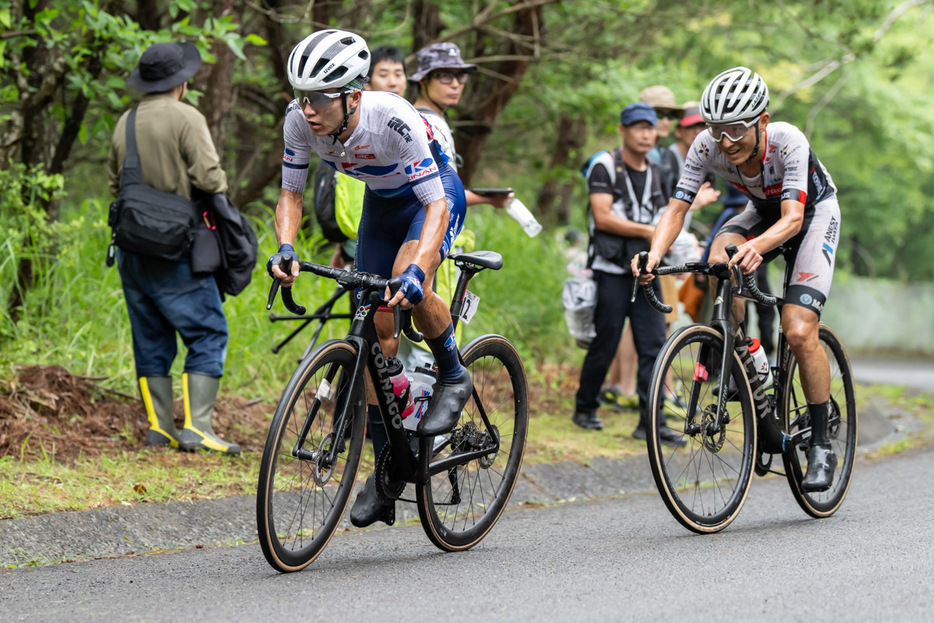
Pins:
x: 374, y: 423
x: 820, y: 413
x: 444, y: 348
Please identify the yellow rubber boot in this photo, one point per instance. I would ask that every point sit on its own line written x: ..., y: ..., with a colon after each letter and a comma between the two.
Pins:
x: 157, y: 398
x: 200, y: 391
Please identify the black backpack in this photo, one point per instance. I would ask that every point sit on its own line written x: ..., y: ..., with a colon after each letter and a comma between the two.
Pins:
x: 325, y: 184
x: 239, y: 246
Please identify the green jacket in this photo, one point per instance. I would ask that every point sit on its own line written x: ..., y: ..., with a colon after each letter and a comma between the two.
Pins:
x: 175, y: 148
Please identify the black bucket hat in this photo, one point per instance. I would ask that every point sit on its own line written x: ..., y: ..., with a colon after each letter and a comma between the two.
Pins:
x: 164, y: 66
x: 439, y: 56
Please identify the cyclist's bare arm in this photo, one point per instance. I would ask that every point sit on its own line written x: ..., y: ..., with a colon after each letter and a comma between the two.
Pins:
x: 427, y: 257
x: 288, y: 220
x: 749, y: 256
x: 603, y: 218
x: 668, y: 228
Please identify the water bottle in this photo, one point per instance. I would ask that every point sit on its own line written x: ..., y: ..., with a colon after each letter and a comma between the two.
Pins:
x: 421, y: 383
x: 400, y: 388
x: 763, y: 369
x: 517, y: 210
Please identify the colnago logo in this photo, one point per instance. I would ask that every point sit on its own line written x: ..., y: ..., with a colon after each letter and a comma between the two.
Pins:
x: 385, y: 385
x: 401, y: 127
x: 362, y: 311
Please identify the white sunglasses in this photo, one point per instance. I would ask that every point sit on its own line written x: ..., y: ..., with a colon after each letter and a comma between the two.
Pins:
x: 733, y: 131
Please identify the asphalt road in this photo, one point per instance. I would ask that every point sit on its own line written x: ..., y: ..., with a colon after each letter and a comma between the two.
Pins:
x: 619, y: 559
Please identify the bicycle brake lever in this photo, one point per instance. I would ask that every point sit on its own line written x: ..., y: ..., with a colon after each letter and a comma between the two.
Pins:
x: 272, y: 293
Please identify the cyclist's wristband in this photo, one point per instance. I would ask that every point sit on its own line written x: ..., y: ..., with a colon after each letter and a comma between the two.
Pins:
x: 277, y: 257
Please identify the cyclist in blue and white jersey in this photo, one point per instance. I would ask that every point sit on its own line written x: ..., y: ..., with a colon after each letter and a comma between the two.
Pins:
x: 792, y: 209
x: 413, y: 205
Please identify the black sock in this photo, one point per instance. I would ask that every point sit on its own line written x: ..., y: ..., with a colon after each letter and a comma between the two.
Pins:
x: 820, y: 413
x: 444, y: 348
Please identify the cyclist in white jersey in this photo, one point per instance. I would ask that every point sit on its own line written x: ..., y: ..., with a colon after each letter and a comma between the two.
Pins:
x: 792, y: 210
x: 413, y: 206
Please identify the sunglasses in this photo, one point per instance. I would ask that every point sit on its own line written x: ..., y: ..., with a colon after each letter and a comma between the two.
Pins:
x: 733, y: 131
x: 318, y: 100
x: 671, y: 115
x: 447, y: 77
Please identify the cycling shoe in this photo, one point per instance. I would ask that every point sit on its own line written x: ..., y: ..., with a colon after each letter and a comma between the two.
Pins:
x: 821, y: 464
x: 444, y: 409
x: 368, y: 509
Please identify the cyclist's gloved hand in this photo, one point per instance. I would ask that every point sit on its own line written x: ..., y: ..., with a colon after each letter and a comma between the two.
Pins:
x: 277, y: 258
x: 412, y: 278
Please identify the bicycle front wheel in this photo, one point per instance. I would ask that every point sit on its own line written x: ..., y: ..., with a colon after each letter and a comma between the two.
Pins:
x: 302, y: 493
x: 843, y: 428
x: 459, y: 505
x: 705, y: 483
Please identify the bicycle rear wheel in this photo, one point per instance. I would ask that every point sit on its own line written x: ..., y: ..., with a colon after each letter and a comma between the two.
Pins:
x: 301, y: 497
x: 843, y: 428
x: 459, y: 505
x: 705, y: 483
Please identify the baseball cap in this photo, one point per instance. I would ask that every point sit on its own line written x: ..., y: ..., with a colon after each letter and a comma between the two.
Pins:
x: 439, y: 56
x: 640, y: 111
x: 691, y: 116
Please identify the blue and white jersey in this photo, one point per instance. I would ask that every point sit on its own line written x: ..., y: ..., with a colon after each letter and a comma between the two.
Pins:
x: 391, y: 149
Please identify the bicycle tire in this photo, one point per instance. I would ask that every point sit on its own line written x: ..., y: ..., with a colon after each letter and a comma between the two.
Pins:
x: 458, y: 507
x: 705, y: 483
x: 843, y: 428
x: 299, y: 503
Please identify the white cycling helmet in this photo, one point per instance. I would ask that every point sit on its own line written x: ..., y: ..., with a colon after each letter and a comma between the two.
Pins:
x: 736, y: 94
x: 328, y: 59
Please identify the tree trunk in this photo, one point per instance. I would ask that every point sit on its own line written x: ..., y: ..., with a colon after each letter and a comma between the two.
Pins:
x: 216, y: 81
x: 426, y: 27
x: 572, y: 134
x: 489, y: 94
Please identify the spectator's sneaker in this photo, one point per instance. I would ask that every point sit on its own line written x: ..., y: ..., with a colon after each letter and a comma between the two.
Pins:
x: 821, y: 464
x: 667, y: 436
x: 675, y: 406
x: 612, y: 397
x: 587, y: 420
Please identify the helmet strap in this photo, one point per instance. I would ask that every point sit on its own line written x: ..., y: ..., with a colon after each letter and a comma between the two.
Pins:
x: 343, y: 126
x: 755, y: 151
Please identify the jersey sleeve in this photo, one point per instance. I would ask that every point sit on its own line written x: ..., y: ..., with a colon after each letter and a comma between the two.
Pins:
x: 795, y: 154
x: 297, y: 153
x: 599, y: 180
x: 410, y: 133
x: 696, y: 167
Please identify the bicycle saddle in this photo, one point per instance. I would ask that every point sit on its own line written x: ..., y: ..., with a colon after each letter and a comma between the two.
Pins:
x: 486, y: 259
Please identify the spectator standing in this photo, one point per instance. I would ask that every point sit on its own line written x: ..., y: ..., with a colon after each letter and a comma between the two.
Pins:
x: 625, y: 195
x: 662, y: 99
x: 163, y: 298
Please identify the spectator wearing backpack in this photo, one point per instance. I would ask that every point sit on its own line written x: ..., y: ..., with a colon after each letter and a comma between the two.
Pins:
x: 626, y: 192
x: 164, y: 297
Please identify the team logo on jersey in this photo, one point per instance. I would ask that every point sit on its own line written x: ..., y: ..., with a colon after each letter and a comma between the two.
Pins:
x: 422, y: 168
x: 703, y: 150
x: 827, y: 250
x: 802, y: 277
x: 806, y: 299
x: 359, y: 147
x: 401, y: 127
x: 365, y: 156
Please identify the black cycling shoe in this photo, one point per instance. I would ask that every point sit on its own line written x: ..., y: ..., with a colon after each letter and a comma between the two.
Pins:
x: 668, y: 436
x: 587, y: 420
x: 821, y: 464
x: 368, y: 509
x: 444, y: 408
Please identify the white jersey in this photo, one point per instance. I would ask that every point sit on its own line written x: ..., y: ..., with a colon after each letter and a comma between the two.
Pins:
x: 790, y: 170
x: 390, y: 149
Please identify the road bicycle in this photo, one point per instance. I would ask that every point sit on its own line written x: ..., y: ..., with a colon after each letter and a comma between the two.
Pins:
x: 736, y: 432
x: 462, y: 480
